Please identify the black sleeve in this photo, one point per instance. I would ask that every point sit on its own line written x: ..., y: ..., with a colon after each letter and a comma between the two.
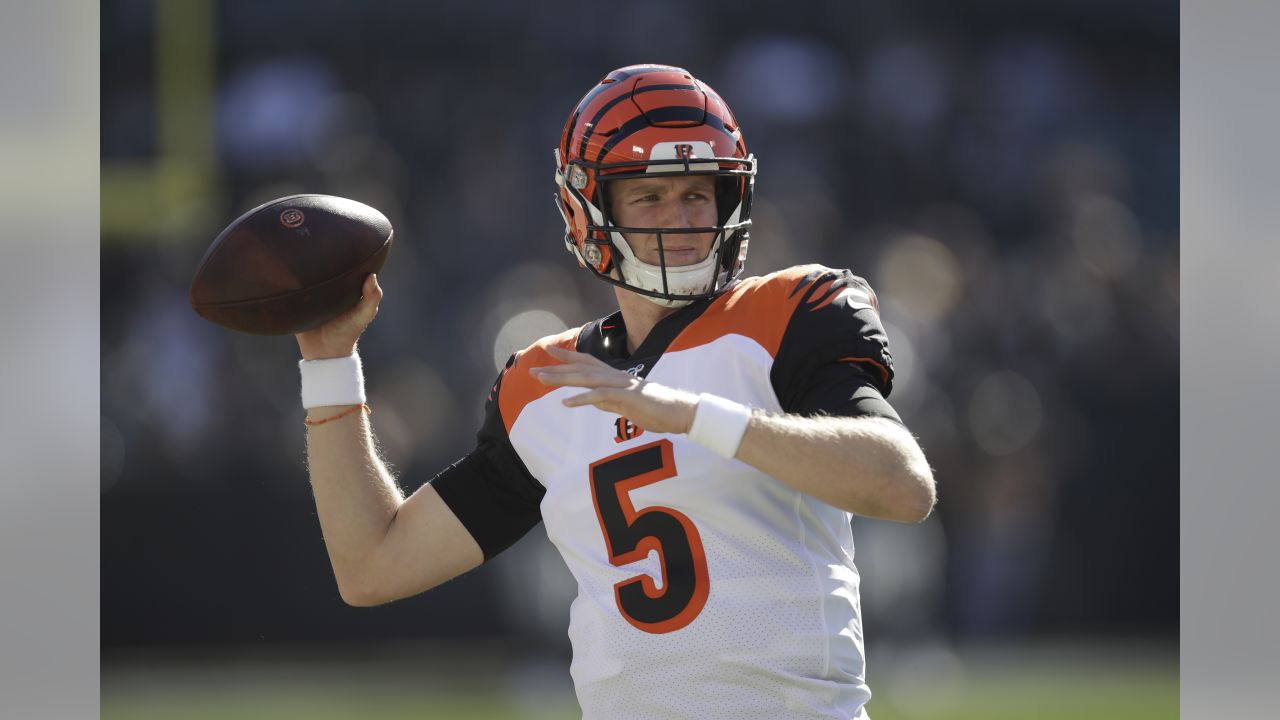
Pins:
x: 834, y: 356
x: 490, y: 490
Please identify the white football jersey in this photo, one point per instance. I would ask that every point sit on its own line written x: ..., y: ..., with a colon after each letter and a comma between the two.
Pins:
x: 706, y: 588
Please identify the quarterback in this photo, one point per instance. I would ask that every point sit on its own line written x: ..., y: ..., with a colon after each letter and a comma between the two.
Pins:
x: 695, y: 456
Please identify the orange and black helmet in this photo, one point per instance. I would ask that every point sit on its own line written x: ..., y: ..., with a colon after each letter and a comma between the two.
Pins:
x: 639, y: 121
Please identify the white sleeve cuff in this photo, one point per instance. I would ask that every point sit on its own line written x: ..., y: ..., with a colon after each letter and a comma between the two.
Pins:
x: 719, y: 424
x: 332, y: 381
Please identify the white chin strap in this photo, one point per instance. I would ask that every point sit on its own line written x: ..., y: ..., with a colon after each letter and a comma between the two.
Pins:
x: 694, y: 279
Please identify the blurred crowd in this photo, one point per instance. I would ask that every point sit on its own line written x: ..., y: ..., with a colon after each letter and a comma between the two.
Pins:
x: 1004, y: 174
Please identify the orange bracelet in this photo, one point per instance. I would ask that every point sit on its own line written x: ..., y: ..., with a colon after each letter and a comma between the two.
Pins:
x: 312, y: 423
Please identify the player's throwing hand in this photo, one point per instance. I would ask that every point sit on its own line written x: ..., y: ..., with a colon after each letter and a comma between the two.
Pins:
x: 651, y: 406
x: 337, y: 338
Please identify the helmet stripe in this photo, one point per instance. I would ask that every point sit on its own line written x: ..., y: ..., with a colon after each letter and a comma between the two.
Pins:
x: 660, y: 115
x: 595, y: 121
x: 577, y: 112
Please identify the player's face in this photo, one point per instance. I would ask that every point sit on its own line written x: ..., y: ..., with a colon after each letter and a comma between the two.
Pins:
x: 670, y: 202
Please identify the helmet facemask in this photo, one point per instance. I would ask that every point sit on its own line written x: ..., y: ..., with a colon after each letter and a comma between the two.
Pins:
x: 608, y: 254
x: 653, y: 121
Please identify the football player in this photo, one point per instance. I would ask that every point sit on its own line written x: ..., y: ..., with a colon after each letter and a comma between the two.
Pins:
x: 695, y: 456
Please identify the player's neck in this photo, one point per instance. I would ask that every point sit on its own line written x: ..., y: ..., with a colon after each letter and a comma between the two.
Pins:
x: 640, y: 316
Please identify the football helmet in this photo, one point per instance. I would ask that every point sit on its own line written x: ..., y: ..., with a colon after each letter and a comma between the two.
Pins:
x: 642, y: 121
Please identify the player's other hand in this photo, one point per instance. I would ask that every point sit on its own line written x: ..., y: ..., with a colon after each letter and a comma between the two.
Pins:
x: 656, y: 408
x: 337, y: 338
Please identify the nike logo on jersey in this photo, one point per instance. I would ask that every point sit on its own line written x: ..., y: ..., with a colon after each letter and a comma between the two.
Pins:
x: 855, y: 298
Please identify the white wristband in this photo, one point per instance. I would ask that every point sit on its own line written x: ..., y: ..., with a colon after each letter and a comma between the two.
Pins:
x: 332, y: 381
x: 719, y: 424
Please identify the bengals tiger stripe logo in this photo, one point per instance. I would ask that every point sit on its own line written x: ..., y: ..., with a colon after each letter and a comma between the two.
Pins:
x: 627, y: 430
x: 827, y: 287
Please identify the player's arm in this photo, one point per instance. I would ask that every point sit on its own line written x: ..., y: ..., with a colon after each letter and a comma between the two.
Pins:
x: 837, y: 440
x: 866, y: 465
x: 870, y: 466
x: 382, y: 546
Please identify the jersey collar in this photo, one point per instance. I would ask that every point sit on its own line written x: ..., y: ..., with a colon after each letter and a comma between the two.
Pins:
x: 606, y: 338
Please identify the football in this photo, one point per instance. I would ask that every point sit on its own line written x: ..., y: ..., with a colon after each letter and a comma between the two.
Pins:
x: 290, y: 265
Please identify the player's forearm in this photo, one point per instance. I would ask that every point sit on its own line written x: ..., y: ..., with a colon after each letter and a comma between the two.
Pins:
x: 356, y: 497
x: 868, y: 466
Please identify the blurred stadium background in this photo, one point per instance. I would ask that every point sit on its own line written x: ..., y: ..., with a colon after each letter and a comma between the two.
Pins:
x: 1004, y: 173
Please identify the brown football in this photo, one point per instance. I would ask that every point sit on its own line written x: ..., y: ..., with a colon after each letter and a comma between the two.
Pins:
x: 290, y: 265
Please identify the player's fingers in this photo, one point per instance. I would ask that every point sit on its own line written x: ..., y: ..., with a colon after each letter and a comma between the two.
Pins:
x: 367, y: 309
x: 600, y: 376
x: 610, y: 400
x: 593, y: 397
x: 547, y: 377
x: 618, y: 377
x: 577, y: 376
x: 572, y: 368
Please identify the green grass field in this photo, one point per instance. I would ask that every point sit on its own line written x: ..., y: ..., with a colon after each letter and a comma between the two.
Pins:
x: 1097, y: 683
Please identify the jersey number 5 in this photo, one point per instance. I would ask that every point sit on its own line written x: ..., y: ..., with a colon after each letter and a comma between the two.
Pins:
x: 630, y: 536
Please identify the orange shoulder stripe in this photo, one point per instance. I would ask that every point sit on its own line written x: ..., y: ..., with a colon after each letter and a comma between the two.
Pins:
x: 884, y: 371
x: 518, y: 386
x: 759, y: 308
